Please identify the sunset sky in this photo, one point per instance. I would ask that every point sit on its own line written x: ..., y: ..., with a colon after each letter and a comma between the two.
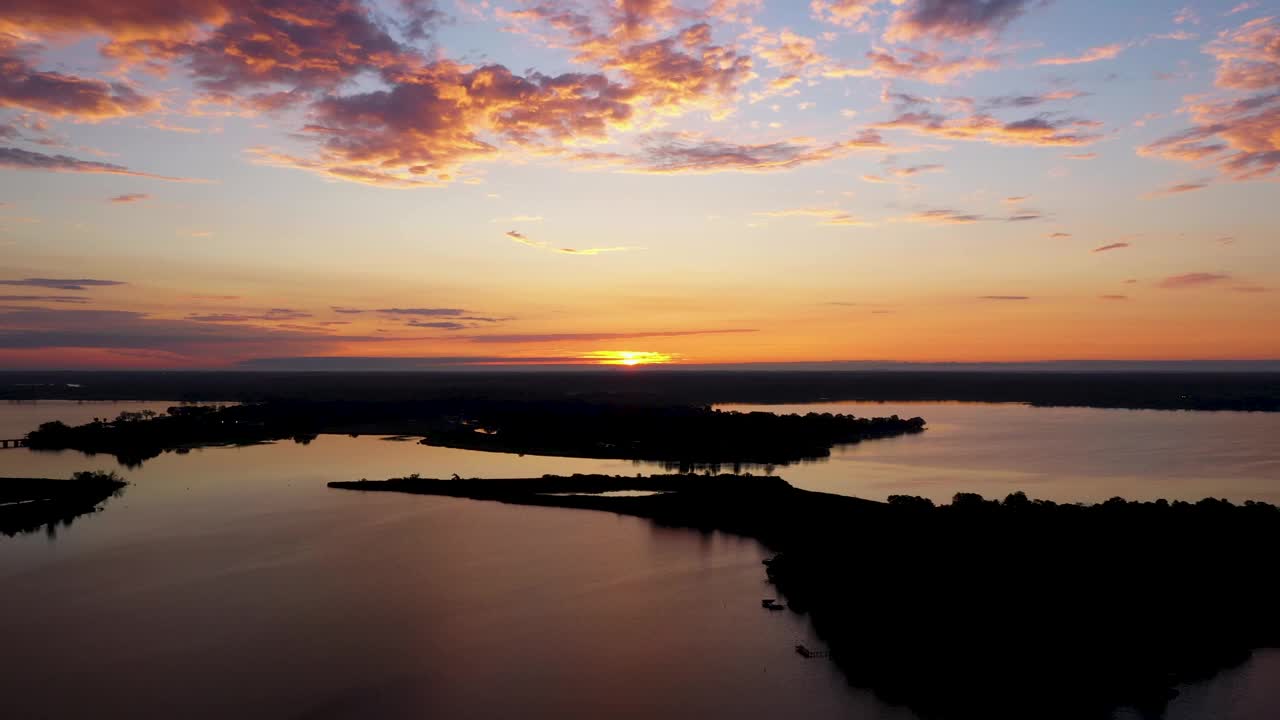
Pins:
x: 222, y: 183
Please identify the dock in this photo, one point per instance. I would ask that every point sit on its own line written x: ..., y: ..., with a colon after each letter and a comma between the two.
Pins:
x: 14, y: 443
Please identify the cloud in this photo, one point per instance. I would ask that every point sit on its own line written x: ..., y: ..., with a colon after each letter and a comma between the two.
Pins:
x: 1081, y: 156
x: 1026, y: 101
x: 60, y: 95
x: 420, y: 311
x: 917, y: 64
x: 792, y: 53
x: 1179, y: 188
x: 1191, y: 280
x: 438, y: 324
x: 1003, y: 297
x: 828, y: 216
x: 1112, y: 246
x: 1113, y: 297
x: 274, y: 315
x: 134, y: 18
x: 523, y: 239
x: 1250, y: 289
x: 688, y: 152
x: 596, y: 337
x: 1025, y: 215
x: 944, y: 217
x: 1103, y: 52
x: 1041, y: 130
x: 847, y: 13
x: 128, y: 198
x: 1057, y: 235
x: 1241, y: 136
x: 18, y: 159
x: 917, y: 170
x: 952, y: 19
x: 350, y: 363
x: 1014, y: 200
x: 207, y: 343
x: 346, y: 310
x: 62, y: 283
x: 72, y: 299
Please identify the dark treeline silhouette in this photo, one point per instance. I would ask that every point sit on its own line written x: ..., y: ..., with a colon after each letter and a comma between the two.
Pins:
x: 574, y: 428
x: 1168, y: 390
x: 28, y: 504
x: 995, y: 609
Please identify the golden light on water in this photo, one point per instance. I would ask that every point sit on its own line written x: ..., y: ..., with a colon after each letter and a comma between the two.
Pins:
x: 627, y: 357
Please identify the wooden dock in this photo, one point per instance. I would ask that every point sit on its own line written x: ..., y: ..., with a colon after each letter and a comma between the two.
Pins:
x: 14, y: 443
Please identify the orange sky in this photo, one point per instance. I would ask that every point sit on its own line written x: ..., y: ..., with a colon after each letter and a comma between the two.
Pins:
x: 208, y: 183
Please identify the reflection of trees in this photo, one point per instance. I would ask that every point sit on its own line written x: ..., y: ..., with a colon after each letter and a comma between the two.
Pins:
x: 27, y: 505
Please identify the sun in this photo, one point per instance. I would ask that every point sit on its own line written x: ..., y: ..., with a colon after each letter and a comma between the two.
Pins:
x: 629, y: 358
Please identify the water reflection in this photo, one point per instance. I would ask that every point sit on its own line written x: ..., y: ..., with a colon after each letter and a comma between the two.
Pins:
x: 229, y: 582
x: 1060, y: 454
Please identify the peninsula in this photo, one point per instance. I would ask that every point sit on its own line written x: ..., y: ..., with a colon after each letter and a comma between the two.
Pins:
x: 980, y: 608
x: 687, y: 436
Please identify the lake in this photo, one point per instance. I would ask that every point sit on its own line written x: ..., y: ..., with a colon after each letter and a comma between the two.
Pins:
x: 232, y: 582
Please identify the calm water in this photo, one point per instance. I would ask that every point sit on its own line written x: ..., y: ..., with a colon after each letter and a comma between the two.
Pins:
x: 1063, y: 454
x: 231, y: 582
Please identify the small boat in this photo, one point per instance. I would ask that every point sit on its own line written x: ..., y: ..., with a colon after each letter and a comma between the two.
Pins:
x: 767, y: 602
x: 803, y: 651
x: 776, y: 606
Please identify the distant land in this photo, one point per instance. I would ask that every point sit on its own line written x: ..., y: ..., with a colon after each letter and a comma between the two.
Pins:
x: 1221, y: 385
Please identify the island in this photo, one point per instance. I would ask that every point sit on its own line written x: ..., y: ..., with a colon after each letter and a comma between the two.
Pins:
x: 691, y: 437
x: 28, y: 504
x: 979, y: 608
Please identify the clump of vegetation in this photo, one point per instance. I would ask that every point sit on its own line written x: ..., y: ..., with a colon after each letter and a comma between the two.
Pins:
x: 27, y: 504
x: 686, y: 436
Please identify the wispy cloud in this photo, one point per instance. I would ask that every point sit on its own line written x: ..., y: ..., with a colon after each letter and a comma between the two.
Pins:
x: 1112, y: 246
x: 18, y: 159
x: 1102, y: 52
x: 128, y: 198
x: 943, y: 217
x: 827, y: 216
x: 1192, y: 280
x: 1178, y: 189
x: 63, y: 283
x: 525, y: 240
x: 71, y: 299
x: 596, y: 337
x: 273, y: 315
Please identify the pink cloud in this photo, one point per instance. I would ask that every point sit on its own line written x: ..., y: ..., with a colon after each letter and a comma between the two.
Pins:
x: 1192, y: 280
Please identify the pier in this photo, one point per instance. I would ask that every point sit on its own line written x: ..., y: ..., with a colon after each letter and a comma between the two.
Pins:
x: 14, y: 443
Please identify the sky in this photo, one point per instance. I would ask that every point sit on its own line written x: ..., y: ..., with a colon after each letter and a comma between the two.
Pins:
x: 240, y: 183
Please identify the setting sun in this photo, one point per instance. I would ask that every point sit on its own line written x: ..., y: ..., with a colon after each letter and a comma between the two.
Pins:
x: 627, y: 357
